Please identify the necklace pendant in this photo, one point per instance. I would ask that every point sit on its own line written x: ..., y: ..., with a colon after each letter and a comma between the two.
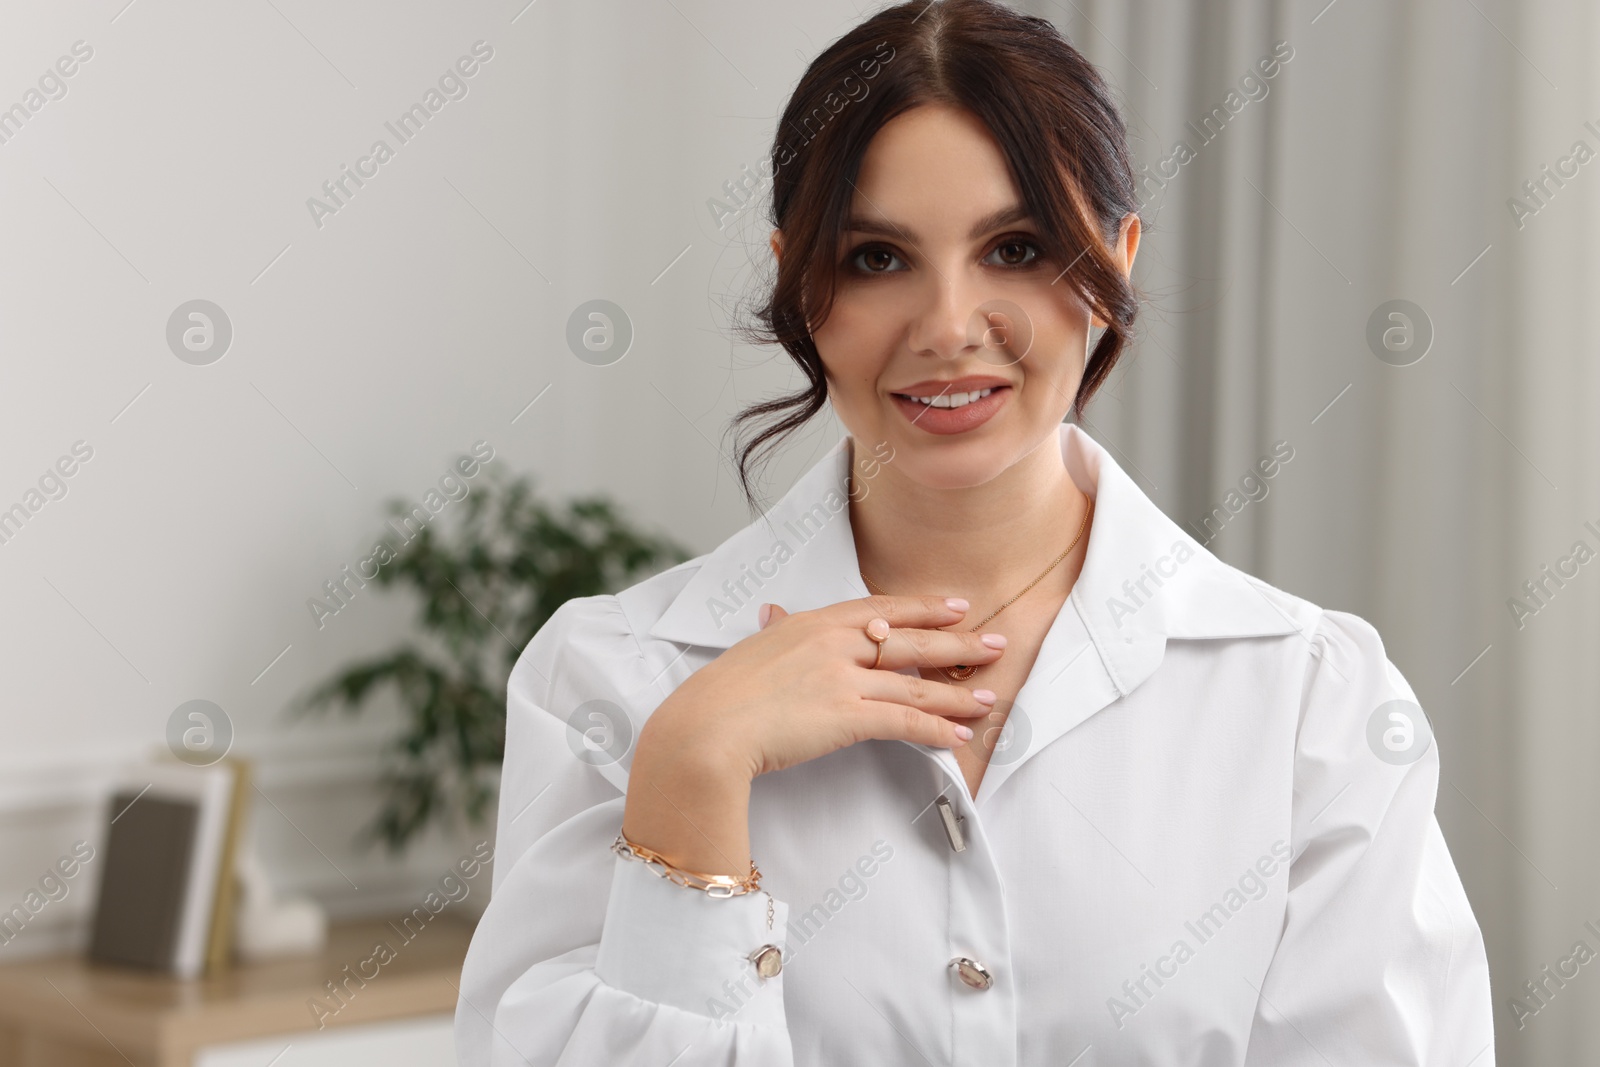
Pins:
x: 960, y: 672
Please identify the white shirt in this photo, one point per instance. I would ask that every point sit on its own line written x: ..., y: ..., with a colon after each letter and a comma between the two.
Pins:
x: 1202, y: 838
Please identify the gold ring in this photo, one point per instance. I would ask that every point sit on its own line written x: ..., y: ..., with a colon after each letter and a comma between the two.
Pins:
x: 878, y: 631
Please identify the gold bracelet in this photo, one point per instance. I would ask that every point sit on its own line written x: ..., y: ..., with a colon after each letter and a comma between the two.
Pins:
x: 714, y: 885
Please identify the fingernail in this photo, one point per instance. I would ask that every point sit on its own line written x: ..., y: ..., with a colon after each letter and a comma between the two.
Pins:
x: 994, y: 640
x: 985, y: 696
x: 955, y: 603
x: 964, y: 732
x: 763, y: 614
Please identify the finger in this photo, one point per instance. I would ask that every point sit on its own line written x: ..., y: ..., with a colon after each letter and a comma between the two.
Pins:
x: 933, y: 697
x: 928, y: 611
x: 768, y: 614
x: 899, y: 722
x: 917, y: 647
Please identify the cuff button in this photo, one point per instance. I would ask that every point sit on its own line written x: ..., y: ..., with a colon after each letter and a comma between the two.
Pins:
x: 768, y: 960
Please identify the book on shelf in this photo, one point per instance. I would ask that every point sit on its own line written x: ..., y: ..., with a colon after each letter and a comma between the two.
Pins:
x: 167, y: 884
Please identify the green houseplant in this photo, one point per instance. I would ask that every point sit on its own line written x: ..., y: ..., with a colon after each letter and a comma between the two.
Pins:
x: 486, y: 583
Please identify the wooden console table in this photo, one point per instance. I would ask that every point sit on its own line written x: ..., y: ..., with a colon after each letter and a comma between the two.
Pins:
x: 63, y: 1011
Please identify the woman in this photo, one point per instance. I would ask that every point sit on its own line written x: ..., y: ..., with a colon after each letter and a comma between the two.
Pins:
x: 964, y: 753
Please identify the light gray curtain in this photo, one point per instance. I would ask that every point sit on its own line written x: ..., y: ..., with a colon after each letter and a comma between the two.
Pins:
x: 1387, y: 160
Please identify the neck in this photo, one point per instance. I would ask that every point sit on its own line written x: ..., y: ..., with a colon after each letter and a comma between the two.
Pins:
x: 983, y: 542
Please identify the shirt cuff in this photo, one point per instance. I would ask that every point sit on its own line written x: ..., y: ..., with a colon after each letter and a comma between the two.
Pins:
x: 669, y: 944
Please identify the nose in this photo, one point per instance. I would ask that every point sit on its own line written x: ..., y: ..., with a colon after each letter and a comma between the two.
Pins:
x: 946, y: 322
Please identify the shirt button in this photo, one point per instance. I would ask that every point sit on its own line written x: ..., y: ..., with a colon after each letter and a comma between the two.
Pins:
x: 972, y: 972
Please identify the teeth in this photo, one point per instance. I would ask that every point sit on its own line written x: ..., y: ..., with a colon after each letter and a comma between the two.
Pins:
x: 951, y: 400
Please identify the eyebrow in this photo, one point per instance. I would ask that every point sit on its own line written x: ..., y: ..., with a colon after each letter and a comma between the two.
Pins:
x: 992, y: 221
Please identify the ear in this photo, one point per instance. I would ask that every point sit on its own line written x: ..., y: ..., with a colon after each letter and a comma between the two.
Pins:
x: 1128, y: 241
x: 1127, y: 247
x: 777, y: 245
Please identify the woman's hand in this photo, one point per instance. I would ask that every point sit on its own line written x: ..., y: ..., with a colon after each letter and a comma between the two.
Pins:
x: 804, y: 686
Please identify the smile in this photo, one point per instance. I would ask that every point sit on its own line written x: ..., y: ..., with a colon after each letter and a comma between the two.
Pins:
x: 952, y: 413
x: 949, y: 400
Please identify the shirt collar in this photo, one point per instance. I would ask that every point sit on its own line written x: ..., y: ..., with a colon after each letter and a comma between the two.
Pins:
x: 1143, y: 580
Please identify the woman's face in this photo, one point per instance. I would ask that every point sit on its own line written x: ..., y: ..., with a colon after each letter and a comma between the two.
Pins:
x: 945, y: 291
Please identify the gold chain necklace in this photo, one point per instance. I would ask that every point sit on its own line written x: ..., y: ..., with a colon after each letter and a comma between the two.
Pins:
x: 961, y: 671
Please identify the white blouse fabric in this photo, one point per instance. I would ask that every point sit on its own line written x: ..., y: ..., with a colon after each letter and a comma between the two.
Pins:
x: 1206, y: 837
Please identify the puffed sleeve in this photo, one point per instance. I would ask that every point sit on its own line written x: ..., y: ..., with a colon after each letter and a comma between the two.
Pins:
x: 584, y: 957
x: 1381, y: 961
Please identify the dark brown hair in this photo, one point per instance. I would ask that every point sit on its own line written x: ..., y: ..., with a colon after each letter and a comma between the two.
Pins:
x: 1046, y: 106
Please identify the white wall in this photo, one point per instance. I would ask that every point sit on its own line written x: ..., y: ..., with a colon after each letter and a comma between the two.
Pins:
x: 421, y: 317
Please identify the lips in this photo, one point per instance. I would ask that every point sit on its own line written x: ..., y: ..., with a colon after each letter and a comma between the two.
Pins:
x: 946, y: 421
x: 938, y: 387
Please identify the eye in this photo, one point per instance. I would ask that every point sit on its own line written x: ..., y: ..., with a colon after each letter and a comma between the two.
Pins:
x: 877, y: 259
x: 1012, y: 249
